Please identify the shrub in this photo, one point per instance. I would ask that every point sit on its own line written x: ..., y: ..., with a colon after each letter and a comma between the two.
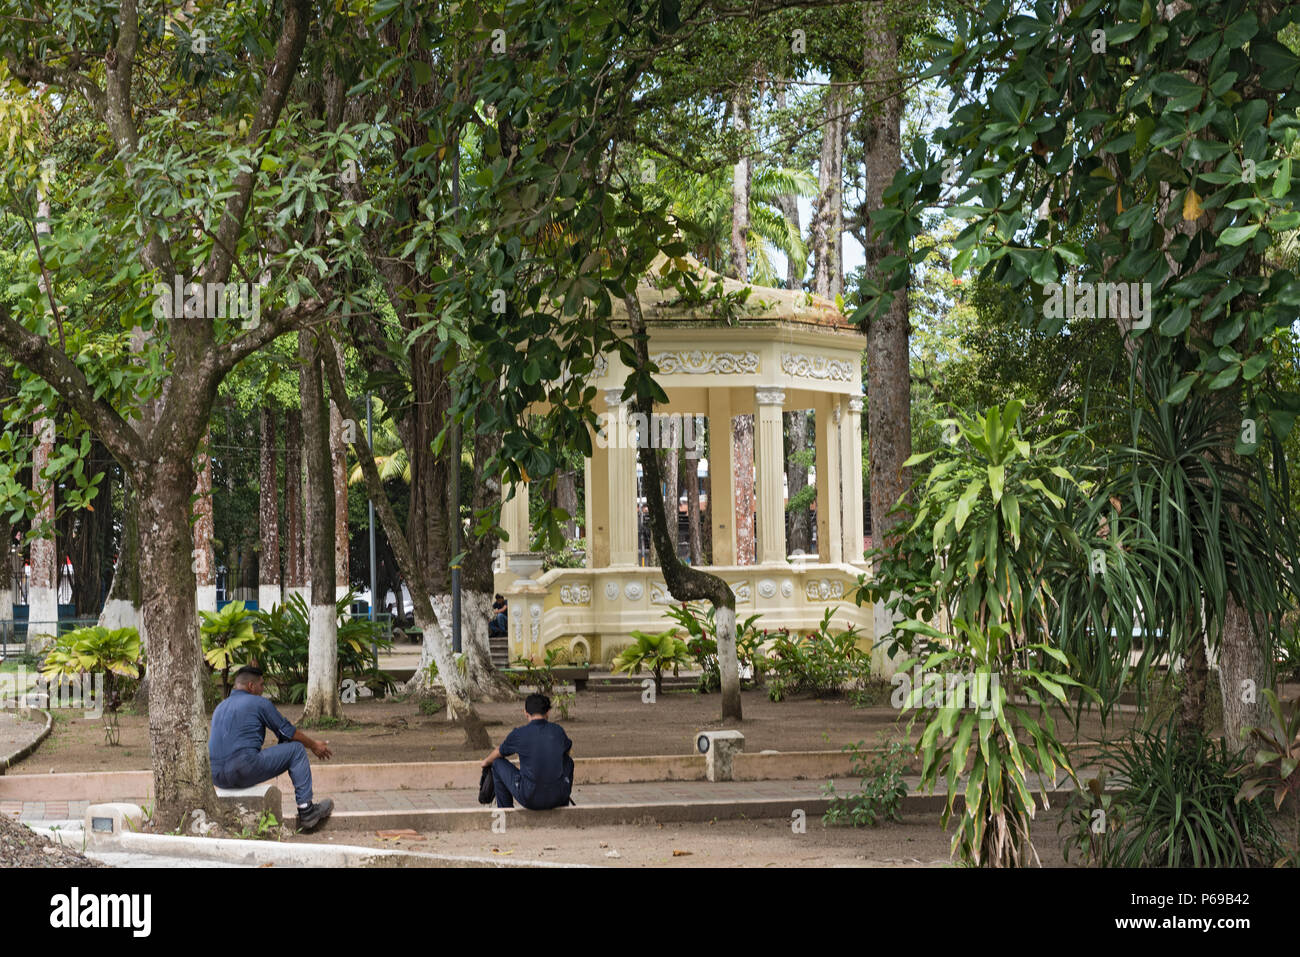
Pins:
x: 1176, y: 807
x: 882, y: 789
x: 702, y: 645
x: 822, y: 663
x: 1275, y: 767
x: 114, y: 652
x: 653, y: 652
x: 286, y: 631
x: 229, y: 636
x: 542, y: 677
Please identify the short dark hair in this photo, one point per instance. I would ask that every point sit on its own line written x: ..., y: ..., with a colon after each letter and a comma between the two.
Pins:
x: 247, y: 673
x: 499, y: 597
x: 536, y: 704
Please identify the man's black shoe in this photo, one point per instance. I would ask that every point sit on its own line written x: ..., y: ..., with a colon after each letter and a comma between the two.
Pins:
x: 314, y: 815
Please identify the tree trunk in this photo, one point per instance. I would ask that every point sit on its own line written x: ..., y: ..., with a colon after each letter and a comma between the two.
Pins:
x: 42, y: 587
x: 322, y: 656
x: 742, y: 452
x: 799, y: 534
x: 178, y: 732
x: 828, y: 214
x: 1244, y: 672
x: 89, y: 539
x: 566, y: 497
x: 437, y: 643
x: 339, y: 462
x: 485, y: 681
x: 295, y: 574
x: 669, y: 438
x: 205, y: 559
x: 1191, y: 705
x: 692, y: 476
x: 268, y: 565
x: 789, y: 206
x: 684, y: 582
x: 739, y: 266
x: 889, y: 408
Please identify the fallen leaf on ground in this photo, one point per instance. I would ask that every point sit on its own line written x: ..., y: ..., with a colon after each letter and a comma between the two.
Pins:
x: 677, y: 853
x: 497, y: 850
x: 397, y: 834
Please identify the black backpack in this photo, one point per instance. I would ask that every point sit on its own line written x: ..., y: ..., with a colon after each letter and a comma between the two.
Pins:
x: 487, y: 788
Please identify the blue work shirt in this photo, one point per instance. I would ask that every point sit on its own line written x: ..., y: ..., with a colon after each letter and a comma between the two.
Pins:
x: 541, y: 747
x: 239, y: 723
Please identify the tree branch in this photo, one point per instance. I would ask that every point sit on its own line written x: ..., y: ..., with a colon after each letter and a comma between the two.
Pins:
x: 293, y: 36
x: 33, y: 352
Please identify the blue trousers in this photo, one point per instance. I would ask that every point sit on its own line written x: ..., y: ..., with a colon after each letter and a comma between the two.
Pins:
x: 510, y: 787
x: 247, y: 768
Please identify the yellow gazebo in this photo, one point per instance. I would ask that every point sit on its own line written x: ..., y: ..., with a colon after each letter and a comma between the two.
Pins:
x: 781, y: 351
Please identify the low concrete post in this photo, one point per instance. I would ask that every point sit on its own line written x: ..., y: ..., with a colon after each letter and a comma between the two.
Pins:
x: 105, y: 823
x: 719, y: 748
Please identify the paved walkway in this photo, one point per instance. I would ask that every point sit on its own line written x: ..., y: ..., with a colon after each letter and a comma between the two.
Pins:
x: 590, y: 795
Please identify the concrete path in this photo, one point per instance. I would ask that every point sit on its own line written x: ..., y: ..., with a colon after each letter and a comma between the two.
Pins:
x: 590, y: 795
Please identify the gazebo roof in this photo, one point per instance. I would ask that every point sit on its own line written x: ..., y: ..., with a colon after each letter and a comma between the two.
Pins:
x: 662, y: 304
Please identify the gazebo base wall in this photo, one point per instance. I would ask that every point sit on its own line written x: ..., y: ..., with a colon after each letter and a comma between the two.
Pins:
x: 589, y: 613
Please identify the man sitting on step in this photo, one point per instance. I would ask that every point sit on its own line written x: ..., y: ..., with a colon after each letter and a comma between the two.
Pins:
x: 544, y: 778
x: 239, y: 726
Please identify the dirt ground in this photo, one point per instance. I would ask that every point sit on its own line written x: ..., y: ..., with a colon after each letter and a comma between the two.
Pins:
x: 915, y: 842
x: 601, y: 724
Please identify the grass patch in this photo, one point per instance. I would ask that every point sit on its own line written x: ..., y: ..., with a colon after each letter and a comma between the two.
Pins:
x: 329, y: 724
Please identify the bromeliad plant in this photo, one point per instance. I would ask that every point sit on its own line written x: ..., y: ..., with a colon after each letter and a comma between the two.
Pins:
x: 990, y: 525
x: 654, y: 653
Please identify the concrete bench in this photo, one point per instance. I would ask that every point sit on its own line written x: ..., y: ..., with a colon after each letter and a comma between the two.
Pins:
x: 258, y: 798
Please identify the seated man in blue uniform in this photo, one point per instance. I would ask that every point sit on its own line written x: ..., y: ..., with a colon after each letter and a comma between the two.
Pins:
x: 544, y: 778
x: 239, y: 727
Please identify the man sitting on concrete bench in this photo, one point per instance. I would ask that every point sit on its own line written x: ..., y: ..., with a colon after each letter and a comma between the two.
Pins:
x: 544, y: 778
x: 235, y: 747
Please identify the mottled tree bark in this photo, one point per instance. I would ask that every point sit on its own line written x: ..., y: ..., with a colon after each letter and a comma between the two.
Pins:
x: 43, y: 583
x: 740, y: 181
x: 696, y: 540
x: 178, y: 731
x: 828, y: 213
x: 889, y: 409
x: 295, y: 572
x: 670, y: 436
x: 339, y: 462
x: 742, y: 459
x: 268, y: 565
x: 205, y: 560
x: 799, y: 522
x: 322, y: 655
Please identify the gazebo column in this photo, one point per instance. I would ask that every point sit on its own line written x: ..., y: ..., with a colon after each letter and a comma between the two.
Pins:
x: 770, y: 452
x: 830, y: 545
x: 621, y: 470
x: 595, y: 480
x: 851, y: 480
x: 722, y: 497
x: 514, y: 517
